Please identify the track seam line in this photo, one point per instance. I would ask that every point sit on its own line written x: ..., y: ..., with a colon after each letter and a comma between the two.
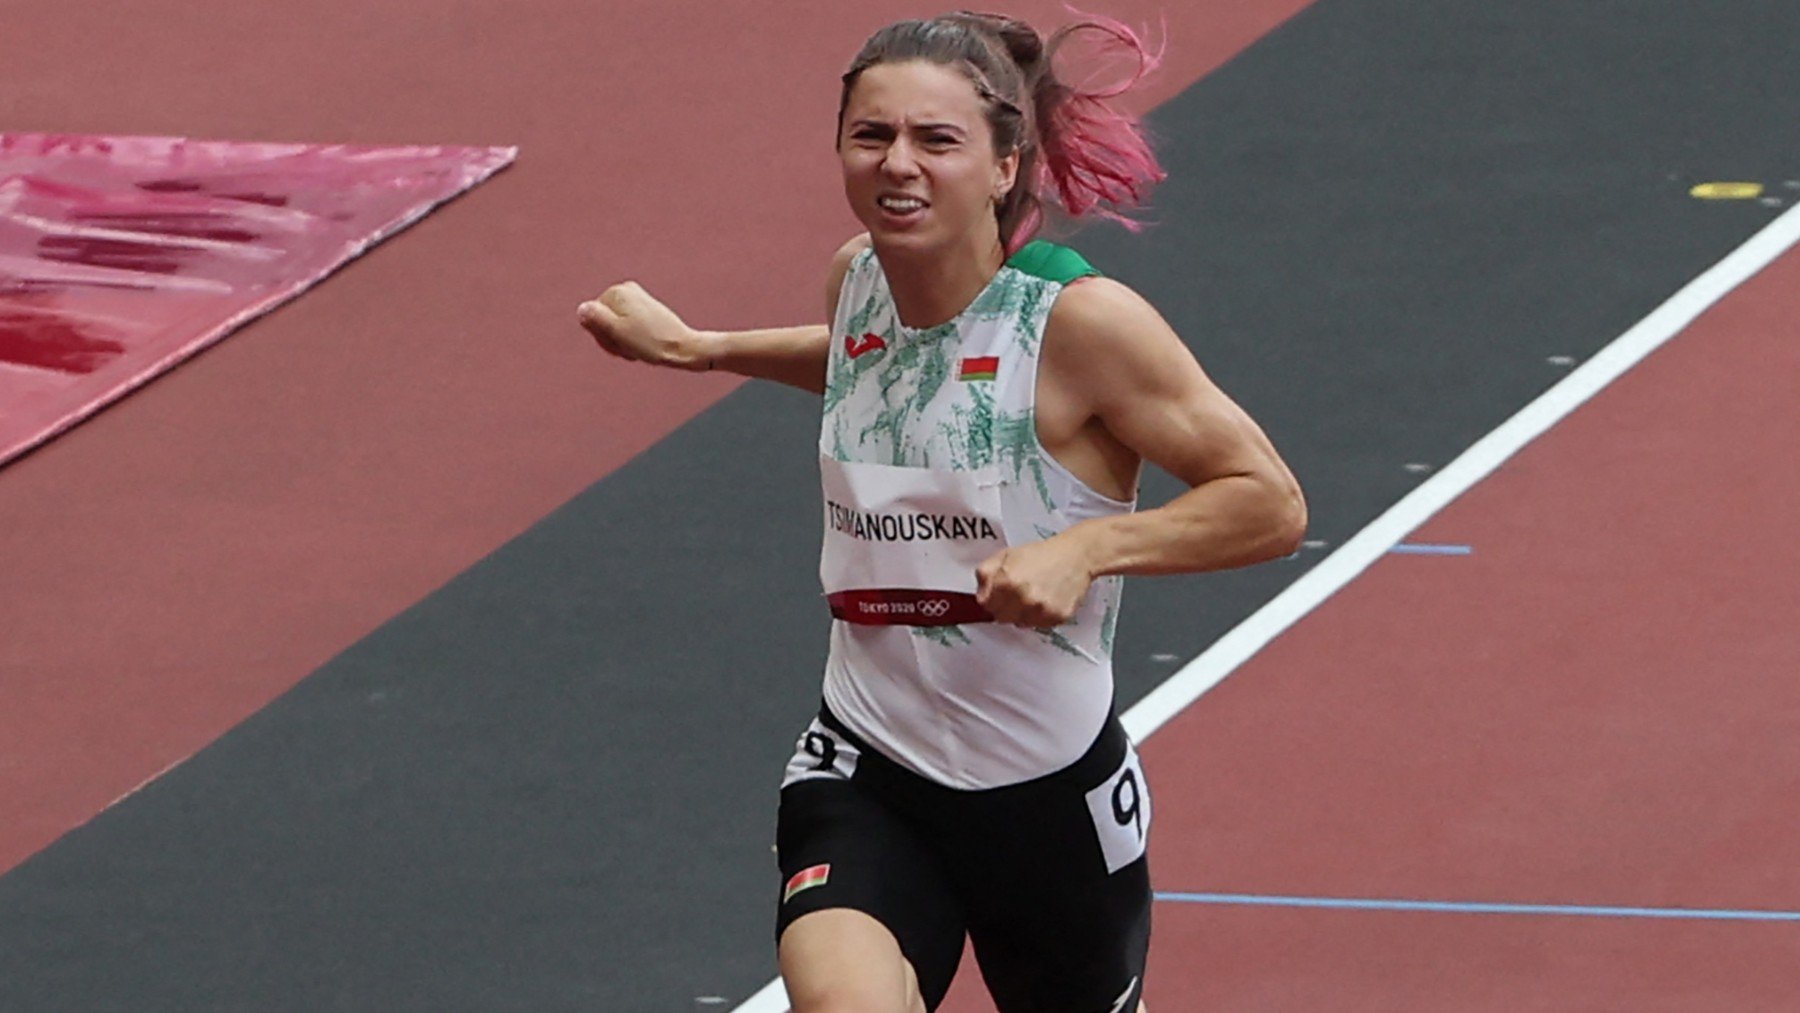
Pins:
x: 1415, y: 508
x: 1477, y: 907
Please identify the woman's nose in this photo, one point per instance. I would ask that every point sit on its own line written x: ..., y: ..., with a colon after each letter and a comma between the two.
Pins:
x: 899, y: 162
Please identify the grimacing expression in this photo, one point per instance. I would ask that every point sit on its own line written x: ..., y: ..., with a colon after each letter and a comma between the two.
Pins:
x: 918, y: 156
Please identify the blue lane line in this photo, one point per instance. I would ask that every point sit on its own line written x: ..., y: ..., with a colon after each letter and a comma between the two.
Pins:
x: 1427, y: 549
x: 1456, y: 907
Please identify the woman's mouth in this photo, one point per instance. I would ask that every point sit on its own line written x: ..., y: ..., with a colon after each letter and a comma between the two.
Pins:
x: 900, y: 208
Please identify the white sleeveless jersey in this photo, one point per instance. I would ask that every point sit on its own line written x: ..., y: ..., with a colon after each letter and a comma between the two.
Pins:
x: 930, y: 463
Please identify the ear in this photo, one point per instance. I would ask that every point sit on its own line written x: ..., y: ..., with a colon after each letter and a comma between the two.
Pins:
x: 1006, y: 174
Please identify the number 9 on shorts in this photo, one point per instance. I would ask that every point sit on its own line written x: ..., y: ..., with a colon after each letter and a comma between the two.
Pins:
x: 1120, y: 807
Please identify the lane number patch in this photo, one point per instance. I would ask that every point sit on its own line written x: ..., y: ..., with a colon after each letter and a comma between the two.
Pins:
x: 820, y: 752
x: 1120, y: 807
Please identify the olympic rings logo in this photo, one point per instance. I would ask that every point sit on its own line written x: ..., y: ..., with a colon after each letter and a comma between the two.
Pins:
x: 936, y: 608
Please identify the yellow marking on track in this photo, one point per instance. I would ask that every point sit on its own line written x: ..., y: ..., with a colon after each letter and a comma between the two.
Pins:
x: 1727, y: 191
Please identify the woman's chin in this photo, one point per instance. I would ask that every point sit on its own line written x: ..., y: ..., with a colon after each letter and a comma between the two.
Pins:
x: 903, y: 241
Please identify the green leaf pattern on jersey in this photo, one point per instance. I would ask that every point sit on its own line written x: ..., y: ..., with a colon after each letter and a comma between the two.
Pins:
x: 1109, y: 624
x: 943, y: 636
x: 968, y: 433
x: 913, y: 369
x: 906, y: 405
x: 1016, y: 444
x: 859, y: 321
x: 1056, y: 639
x: 1012, y: 294
x: 845, y: 371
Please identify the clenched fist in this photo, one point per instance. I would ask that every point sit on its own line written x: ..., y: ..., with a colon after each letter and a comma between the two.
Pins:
x: 1038, y: 584
x: 630, y: 323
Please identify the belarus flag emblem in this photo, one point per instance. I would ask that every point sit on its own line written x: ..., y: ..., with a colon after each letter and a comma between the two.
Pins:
x: 806, y: 878
x: 980, y: 368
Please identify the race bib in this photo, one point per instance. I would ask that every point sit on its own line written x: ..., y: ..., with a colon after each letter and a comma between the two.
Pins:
x: 902, y: 544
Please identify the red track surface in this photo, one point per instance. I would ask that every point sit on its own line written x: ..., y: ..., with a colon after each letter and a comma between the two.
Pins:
x: 1595, y: 708
x: 1588, y: 710
x: 184, y: 558
x: 1240, y: 959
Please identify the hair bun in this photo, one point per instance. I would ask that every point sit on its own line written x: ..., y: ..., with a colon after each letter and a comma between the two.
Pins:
x: 1023, y: 43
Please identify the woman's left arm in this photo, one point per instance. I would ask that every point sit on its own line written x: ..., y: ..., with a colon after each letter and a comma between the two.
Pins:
x: 1135, y: 377
x: 1242, y: 506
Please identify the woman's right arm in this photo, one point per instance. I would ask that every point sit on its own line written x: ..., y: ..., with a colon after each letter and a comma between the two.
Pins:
x: 630, y: 323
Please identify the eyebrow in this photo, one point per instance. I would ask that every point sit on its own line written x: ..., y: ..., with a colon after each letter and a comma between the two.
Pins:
x: 949, y: 128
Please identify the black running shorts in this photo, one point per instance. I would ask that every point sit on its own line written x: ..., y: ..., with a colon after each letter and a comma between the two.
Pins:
x: 1048, y: 878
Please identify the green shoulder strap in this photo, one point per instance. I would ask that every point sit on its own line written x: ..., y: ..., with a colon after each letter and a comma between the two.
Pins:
x: 1051, y: 262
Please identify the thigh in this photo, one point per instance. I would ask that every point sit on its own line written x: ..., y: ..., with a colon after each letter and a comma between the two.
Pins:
x: 1068, y: 948
x: 1058, y: 901
x: 838, y: 959
x: 841, y: 849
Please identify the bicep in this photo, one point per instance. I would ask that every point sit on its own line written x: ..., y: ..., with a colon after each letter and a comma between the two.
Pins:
x: 1149, y: 392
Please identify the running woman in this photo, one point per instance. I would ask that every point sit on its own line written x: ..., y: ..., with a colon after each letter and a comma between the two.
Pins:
x: 988, y: 404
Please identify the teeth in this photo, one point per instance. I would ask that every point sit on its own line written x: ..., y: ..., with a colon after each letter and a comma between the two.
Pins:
x: 901, y: 203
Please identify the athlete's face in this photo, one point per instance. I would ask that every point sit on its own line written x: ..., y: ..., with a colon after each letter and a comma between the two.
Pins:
x: 919, y: 165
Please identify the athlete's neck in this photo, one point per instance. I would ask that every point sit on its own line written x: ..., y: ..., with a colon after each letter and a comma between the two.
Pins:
x: 933, y: 287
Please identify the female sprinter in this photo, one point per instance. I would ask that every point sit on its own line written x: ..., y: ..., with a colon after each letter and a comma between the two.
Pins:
x: 987, y: 405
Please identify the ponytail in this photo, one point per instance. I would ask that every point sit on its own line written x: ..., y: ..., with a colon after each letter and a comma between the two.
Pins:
x: 1094, y: 159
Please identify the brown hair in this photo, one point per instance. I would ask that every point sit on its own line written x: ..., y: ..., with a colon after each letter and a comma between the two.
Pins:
x: 1073, y: 146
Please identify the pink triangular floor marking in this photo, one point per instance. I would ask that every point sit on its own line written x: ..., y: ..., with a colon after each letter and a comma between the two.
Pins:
x: 122, y: 256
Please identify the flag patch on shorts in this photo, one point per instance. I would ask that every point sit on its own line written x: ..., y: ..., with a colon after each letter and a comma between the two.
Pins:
x: 804, y: 879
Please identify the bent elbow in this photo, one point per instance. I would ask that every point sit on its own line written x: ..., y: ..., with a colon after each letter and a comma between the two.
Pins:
x: 1288, y: 521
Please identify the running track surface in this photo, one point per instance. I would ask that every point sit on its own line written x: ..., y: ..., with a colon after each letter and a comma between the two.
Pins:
x: 233, y: 527
x: 1489, y: 727
x: 1594, y: 708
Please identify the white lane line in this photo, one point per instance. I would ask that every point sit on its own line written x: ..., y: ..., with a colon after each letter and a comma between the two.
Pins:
x: 1476, y: 463
x: 771, y: 998
x: 1432, y: 495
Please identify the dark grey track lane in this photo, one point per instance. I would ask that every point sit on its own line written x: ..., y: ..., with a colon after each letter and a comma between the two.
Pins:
x: 551, y: 785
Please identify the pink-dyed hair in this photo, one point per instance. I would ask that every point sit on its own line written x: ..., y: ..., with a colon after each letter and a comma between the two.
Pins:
x: 1076, y: 151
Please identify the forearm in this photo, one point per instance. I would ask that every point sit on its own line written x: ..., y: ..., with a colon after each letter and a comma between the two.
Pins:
x: 791, y: 355
x: 1228, y: 522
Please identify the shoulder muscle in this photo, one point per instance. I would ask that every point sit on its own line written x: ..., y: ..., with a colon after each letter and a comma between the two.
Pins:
x: 1112, y: 337
x: 840, y: 266
x: 1134, y: 374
